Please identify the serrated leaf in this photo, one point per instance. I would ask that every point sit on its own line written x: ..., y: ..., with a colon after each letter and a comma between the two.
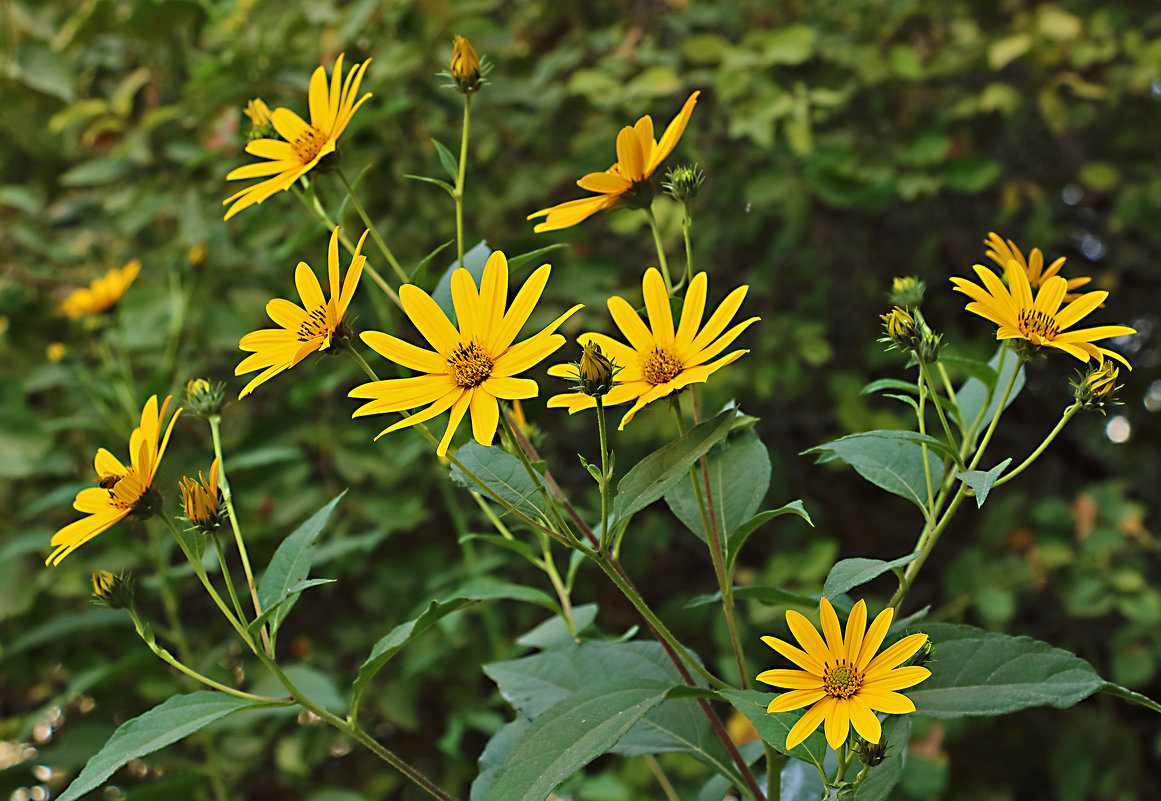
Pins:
x: 742, y: 533
x: 450, y: 164
x: 658, y: 472
x: 773, y: 728
x: 290, y: 565
x: 982, y: 481
x: 851, y: 573
x: 739, y: 476
x: 501, y: 472
x: 571, y: 734
x: 976, y: 672
x: 891, y: 460
x: 173, y: 720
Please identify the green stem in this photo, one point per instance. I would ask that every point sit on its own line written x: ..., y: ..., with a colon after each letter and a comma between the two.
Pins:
x: 387, y: 254
x: 549, y: 567
x: 686, y: 224
x: 995, y: 419
x: 223, y: 479
x: 602, y: 428
x: 320, y: 213
x: 922, y: 417
x: 951, y: 396
x: 563, y: 527
x: 1068, y: 415
x: 120, y: 378
x: 660, y: 249
x: 168, y: 599
x: 939, y: 411
x: 662, y: 779
x: 459, y: 191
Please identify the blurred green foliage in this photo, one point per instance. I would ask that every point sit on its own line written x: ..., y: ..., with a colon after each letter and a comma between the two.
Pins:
x: 844, y: 143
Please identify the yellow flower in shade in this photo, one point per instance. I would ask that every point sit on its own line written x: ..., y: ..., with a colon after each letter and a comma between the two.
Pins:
x: 842, y: 681
x: 330, y: 112
x: 1040, y: 321
x: 101, y: 294
x: 1002, y: 251
x: 200, y: 499
x: 471, y: 368
x: 658, y: 359
x: 120, y: 489
x: 315, y: 326
x: 638, y: 156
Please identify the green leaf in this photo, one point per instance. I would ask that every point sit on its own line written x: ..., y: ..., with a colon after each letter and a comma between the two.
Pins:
x: 975, y: 395
x: 981, y: 371
x: 742, y: 533
x: 739, y: 476
x: 474, y: 261
x: 1128, y: 695
x: 883, y: 778
x: 450, y: 164
x: 763, y: 593
x: 444, y: 185
x: 658, y: 472
x: 571, y: 734
x: 517, y: 263
x: 773, y: 728
x: 981, y: 481
x: 888, y: 460
x: 290, y: 566
x: 292, y: 592
x: 501, y: 472
x: 793, y: 44
x: 889, y: 383
x: 972, y: 173
x: 976, y: 672
x: 66, y: 625
x: 403, y: 634
x: 495, y: 754
x: 173, y: 720
x: 851, y: 573
x: 419, y: 274
x: 98, y: 172
x: 553, y: 633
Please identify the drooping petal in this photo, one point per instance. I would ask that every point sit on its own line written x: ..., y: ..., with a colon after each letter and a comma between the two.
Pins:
x: 458, y: 410
x: 673, y: 133
x: 808, y: 723
x: 864, y: 720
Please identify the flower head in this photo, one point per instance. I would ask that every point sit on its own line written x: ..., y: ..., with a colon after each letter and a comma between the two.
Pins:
x: 259, y: 114
x: 907, y: 291
x: 1098, y: 387
x: 202, y: 500
x: 465, y: 66
x: 113, y: 591
x: 120, y: 489
x: 1039, y: 322
x: 205, y: 398
x: 1002, y: 251
x: 305, y: 145
x: 315, y: 326
x: 471, y: 366
x: 101, y: 294
x: 638, y: 155
x: 659, y: 359
x: 841, y: 680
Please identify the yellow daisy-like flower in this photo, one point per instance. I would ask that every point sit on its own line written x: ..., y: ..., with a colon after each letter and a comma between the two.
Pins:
x: 470, y: 367
x: 638, y: 156
x: 842, y: 681
x: 200, y: 498
x: 1039, y: 321
x: 120, y: 489
x: 658, y: 359
x: 1002, y: 251
x: 315, y: 326
x: 101, y: 294
x: 330, y: 112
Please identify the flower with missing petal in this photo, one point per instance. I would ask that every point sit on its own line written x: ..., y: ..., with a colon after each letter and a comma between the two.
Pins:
x: 315, y: 326
x: 842, y: 680
x: 101, y: 294
x: 1002, y: 251
x: 1039, y: 322
x: 659, y: 359
x: 305, y: 145
x: 638, y: 156
x: 120, y: 489
x: 470, y: 367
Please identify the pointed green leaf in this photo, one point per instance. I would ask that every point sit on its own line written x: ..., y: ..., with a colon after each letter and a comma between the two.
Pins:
x: 773, y: 728
x: 292, y: 592
x: 891, y: 460
x: 419, y: 276
x: 444, y: 185
x: 450, y: 164
x: 501, y: 472
x: 739, y: 476
x: 981, y: 371
x: 974, y: 395
x: 516, y: 263
x: 1130, y: 696
x: 982, y: 481
x: 889, y: 383
x: 851, y: 573
x: 742, y: 533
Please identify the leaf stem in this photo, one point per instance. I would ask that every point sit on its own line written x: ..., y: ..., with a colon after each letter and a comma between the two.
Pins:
x: 660, y: 249
x: 926, y: 376
x: 1064, y: 418
x: 387, y: 254
x: 603, y: 431
x: 460, y: 179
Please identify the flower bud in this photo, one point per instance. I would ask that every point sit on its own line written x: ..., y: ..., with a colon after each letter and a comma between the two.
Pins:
x: 595, y: 370
x: 907, y: 292
x: 205, y: 399
x: 1097, y: 388
x: 871, y: 754
x: 115, y: 592
x: 683, y: 182
x: 465, y: 66
x: 202, y: 500
x: 260, y: 125
x: 900, y: 327
x: 924, y: 655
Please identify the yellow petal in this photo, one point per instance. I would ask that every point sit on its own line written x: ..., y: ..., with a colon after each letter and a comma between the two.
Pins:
x: 793, y: 679
x: 485, y: 416
x: 874, y: 638
x: 895, y: 655
x: 629, y: 156
x: 673, y: 133
x: 657, y: 306
x: 838, y: 723
x: 429, y: 318
x: 308, y: 287
x: 796, y: 699
x: 807, y: 636
x: 864, y: 720
x: 808, y: 722
x: 856, y: 628
x: 404, y: 353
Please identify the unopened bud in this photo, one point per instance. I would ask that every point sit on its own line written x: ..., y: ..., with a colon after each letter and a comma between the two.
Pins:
x: 202, y: 500
x: 900, y: 327
x: 465, y: 66
x: 907, y: 291
x: 924, y: 655
x: 871, y: 754
x: 595, y: 370
x: 260, y: 125
x: 115, y: 592
x: 682, y: 182
x: 205, y: 399
x: 1097, y: 388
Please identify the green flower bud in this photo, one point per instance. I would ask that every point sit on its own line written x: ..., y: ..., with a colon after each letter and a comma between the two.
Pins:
x: 595, y: 371
x: 907, y: 292
x: 205, y: 399
x: 683, y: 182
x: 115, y: 592
x: 1097, y: 388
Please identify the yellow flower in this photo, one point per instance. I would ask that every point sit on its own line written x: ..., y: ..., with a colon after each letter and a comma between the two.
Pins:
x: 120, y: 489
x: 842, y: 681
x: 101, y: 294
x: 1041, y: 322
x: 258, y: 112
x: 55, y: 351
x: 330, y: 112
x: 200, y: 498
x: 465, y: 65
x: 659, y: 360
x: 306, y: 329
x: 469, y: 368
x: 638, y: 155
x: 1002, y: 251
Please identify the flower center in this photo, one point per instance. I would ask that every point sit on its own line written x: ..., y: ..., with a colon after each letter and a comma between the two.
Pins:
x: 842, y: 681
x: 124, y: 491
x: 314, y: 326
x: 661, y: 365
x: 1038, y: 323
x: 308, y: 144
x: 469, y: 365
